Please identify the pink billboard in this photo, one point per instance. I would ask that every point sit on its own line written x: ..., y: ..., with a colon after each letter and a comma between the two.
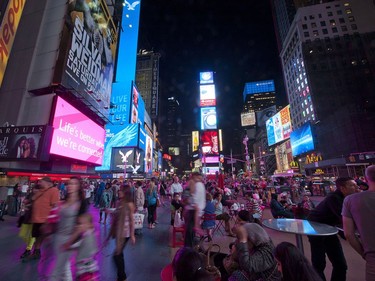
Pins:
x: 75, y: 135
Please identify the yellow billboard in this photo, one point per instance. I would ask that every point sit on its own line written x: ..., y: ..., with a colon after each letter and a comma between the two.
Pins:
x: 195, y: 140
x: 8, y: 29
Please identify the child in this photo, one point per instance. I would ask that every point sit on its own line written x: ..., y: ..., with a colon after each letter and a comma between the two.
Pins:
x: 84, y: 238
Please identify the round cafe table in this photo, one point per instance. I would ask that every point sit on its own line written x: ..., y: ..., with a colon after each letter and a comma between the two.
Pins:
x: 299, y: 228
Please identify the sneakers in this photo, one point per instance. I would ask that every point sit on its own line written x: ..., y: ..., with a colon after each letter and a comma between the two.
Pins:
x: 34, y: 256
x: 25, y: 254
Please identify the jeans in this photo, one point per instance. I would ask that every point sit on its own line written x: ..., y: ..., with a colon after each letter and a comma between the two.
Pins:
x: 330, y: 245
x: 189, y: 225
x: 120, y: 262
x: 151, y: 209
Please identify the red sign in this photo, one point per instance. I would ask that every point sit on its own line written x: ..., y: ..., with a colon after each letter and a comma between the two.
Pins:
x: 75, y: 168
x: 167, y: 157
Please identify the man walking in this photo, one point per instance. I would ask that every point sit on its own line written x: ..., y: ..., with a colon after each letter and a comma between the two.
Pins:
x: 358, y: 214
x: 329, y: 212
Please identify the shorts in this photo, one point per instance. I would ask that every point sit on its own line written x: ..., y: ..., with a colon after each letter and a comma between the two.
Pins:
x: 36, y: 232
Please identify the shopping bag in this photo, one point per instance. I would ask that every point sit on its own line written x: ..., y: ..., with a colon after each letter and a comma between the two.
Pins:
x: 138, y: 220
x: 178, y: 221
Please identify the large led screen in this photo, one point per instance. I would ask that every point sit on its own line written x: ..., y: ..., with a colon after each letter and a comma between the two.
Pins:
x: 118, y: 136
x: 279, y: 126
x: 208, y: 118
x: 127, y: 159
x: 207, y: 95
x: 206, y: 77
x: 302, y: 140
x: 210, y: 142
x: 264, y: 115
x: 148, y: 155
x: 75, y: 135
x: 87, y: 52
x: 195, y: 140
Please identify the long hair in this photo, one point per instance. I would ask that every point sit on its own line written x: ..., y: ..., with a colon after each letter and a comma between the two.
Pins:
x: 81, y: 195
x: 295, y: 266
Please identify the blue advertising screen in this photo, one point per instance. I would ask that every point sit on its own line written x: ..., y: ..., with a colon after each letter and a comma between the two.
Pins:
x: 118, y: 136
x: 206, y: 77
x: 208, y: 118
x: 302, y: 140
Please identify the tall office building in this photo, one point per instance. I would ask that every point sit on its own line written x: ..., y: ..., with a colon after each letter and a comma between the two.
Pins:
x: 147, y: 80
x: 328, y: 62
x: 259, y: 95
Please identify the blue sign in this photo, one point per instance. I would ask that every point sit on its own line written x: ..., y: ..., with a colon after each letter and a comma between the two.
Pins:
x: 142, y: 138
x: 302, y: 140
x: 206, y: 77
x: 118, y: 136
x: 257, y: 87
x: 208, y: 118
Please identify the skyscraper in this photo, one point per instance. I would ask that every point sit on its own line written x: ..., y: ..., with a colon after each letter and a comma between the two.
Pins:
x: 259, y: 95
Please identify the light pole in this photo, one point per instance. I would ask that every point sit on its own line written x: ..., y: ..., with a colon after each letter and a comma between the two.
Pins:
x: 244, y: 141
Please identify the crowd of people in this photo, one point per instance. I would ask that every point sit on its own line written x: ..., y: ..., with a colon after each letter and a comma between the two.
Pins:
x: 59, y: 212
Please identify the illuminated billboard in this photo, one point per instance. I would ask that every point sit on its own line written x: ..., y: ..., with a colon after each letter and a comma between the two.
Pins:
x: 75, y: 135
x: 264, y: 115
x: 87, y: 52
x: 195, y: 140
x: 8, y: 30
x: 138, y: 107
x: 207, y: 95
x: 210, y: 159
x: 24, y: 142
x: 302, y: 140
x: 174, y: 151
x: 127, y: 159
x: 208, y: 118
x: 210, y: 142
x: 119, y: 136
x: 206, y: 77
x: 248, y: 119
x: 279, y: 126
x: 148, y: 154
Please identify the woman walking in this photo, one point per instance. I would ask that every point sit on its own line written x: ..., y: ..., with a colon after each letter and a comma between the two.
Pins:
x: 68, y: 212
x: 122, y: 229
x: 151, y: 196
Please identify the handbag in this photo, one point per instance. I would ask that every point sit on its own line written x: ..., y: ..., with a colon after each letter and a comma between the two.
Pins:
x: 138, y: 220
x: 178, y: 221
x: 208, y: 258
x: 53, y: 218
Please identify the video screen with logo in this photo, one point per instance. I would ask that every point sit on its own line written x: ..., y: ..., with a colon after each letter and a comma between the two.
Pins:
x: 75, y: 135
x: 210, y: 142
x: 206, y: 77
x: 208, y: 118
x: 302, y: 140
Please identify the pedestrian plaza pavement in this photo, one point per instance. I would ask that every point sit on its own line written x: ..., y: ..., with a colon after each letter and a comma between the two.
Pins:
x: 144, y: 260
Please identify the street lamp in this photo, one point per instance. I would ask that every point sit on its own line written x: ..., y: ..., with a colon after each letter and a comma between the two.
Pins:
x: 244, y: 141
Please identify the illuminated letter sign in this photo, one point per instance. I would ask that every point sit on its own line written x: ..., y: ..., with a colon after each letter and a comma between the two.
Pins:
x: 8, y: 29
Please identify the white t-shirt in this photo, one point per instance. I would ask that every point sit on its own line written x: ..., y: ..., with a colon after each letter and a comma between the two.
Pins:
x: 199, y: 197
x: 24, y: 188
x: 176, y: 187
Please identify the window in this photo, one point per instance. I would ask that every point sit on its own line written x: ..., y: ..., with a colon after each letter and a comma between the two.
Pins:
x: 346, y: 4
x: 311, y: 17
x: 325, y: 31
x: 304, y: 26
x: 306, y: 34
x: 313, y: 25
x: 341, y: 20
x: 322, y: 23
x: 354, y: 26
x: 351, y: 18
x: 344, y: 28
x: 330, y: 14
x: 348, y: 11
x: 334, y: 29
x: 332, y: 22
x: 339, y: 12
x: 315, y: 33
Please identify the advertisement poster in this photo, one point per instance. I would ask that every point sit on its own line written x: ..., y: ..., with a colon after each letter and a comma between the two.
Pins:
x: 118, y: 136
x: 207, y: 95
x: 195, y: 140
x: 128, y: 158
x: 148, y: 155
x: 75, y: 135
x: 302, y: 140
x: 87, y: 52
x: 210, y: 143
x: 264, y: 115
x: 248, y: 119
x: 208, y: 118
x: 279, y: 126
x: 21, y: 143
x: 206, y: 77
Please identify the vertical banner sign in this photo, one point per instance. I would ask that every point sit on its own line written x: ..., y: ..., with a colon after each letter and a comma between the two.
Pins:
x: 155, y: 85
x: 8, y: 29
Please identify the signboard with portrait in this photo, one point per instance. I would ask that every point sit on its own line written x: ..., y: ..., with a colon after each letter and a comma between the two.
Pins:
x: 24, y: 142
x: 75, y: 135
x: 148, y: 154
x: 87, y: 52
x: 195, y: 140
x: 279, y: 126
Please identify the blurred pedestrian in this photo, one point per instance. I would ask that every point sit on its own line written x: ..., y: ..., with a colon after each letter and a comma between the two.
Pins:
x: 329, y: 212
x: 105, y: 203
x: 122, y: 229
x: 151, y: 196
x: 358, y: 213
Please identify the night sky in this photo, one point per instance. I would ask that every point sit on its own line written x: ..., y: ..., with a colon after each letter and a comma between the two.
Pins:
x: 234, y: 39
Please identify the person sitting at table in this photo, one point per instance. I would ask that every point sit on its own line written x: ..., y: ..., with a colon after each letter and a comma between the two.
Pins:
x: 254, y: 251
x: 220, y: 214
x: 293, y: 265
x: 253, y: 205
x: 278, y: 210
x: 244, y: 216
